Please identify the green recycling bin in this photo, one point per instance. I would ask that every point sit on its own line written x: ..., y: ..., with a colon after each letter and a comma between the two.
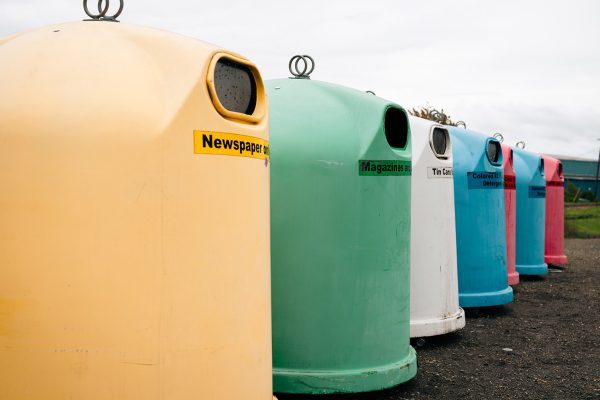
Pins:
x: 340, y: 220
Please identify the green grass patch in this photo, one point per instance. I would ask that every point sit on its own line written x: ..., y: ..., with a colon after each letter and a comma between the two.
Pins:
x: 582, y: 222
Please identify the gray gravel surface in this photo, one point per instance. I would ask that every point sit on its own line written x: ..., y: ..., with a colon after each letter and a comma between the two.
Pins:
x: 545, y: 345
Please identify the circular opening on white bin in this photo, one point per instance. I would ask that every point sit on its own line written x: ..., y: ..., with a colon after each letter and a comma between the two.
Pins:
x: 440, y: 142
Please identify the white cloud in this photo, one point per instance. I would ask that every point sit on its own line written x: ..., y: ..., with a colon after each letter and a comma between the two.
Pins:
x: 529, y: 69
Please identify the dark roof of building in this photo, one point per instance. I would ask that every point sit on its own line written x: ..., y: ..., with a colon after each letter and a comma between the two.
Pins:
x: 577, y: 168
x: 572, y: 158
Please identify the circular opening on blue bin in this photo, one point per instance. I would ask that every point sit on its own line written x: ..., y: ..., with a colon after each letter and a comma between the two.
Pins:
x: 493, y: 151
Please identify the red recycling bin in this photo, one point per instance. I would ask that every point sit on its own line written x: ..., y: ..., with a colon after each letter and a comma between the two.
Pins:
x: 554, y: 246
x: 510, y: 209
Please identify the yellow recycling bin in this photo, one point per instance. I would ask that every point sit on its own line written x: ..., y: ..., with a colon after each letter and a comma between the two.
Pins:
x: 134, y: 200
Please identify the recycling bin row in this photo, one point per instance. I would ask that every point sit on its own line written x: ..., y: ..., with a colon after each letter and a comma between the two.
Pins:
x: 176, y: 248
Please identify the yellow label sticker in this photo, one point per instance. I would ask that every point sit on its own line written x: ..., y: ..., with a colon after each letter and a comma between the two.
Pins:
x: 230, y: 144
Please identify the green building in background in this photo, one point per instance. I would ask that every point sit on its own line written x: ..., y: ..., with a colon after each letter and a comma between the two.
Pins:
x: 581, y: 172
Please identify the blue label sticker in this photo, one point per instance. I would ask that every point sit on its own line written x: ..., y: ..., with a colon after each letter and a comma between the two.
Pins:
x: 485, y: 180
x: 537, y: 192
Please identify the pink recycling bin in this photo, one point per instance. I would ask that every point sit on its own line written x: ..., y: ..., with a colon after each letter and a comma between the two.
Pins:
x: 510, y: 208
x: 554, y: 246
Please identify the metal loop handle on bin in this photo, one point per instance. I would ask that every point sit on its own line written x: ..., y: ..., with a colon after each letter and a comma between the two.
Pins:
x: 461, y: 123
x: 308, y: 68
x: 102, y: 10
x: 520, y: 144
x: 371, y: 92
x: 498, y: 136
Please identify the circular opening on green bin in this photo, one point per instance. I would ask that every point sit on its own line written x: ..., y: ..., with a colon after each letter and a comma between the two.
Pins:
x: 396, y: 128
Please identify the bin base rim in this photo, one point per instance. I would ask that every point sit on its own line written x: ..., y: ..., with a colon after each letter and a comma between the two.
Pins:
x: 555, y: 260
x: 437, y: 326
x: 513, y: 278
x: 346, y: 381
x: 486, y: 299
x: 532, y: 269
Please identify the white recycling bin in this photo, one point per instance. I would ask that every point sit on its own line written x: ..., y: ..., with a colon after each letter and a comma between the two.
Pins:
x: 434, y: 308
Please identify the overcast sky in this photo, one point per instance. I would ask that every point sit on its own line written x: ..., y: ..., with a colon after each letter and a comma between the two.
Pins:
x: 529, y: 69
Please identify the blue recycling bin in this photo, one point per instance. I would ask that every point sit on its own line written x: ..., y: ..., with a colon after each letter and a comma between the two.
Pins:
x: 480, y: 219
x: 531, y: 212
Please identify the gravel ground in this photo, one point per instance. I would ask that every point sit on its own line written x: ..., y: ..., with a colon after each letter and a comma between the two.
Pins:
x: 545, y: 345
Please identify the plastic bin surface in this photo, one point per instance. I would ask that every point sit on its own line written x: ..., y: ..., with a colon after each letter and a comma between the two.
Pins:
x: 434, y: 306
x: 510, y: 209
x: 133, y: 265
x: 480, y: 220
x: 555, y: 212
x: 531, y: 212
x: 340, y: 221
